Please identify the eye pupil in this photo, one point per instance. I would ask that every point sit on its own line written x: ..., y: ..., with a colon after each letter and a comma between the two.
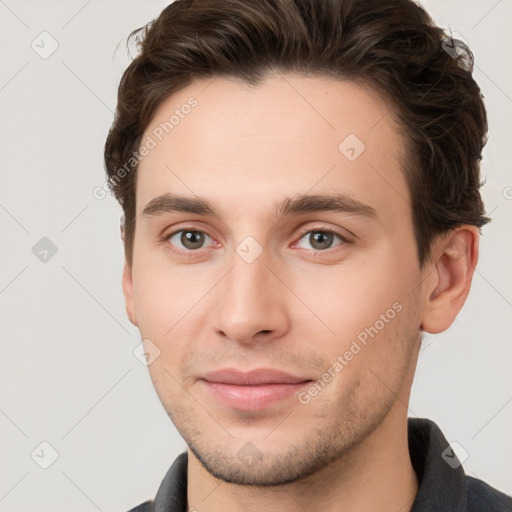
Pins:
x: 320, y: 239
x: 192, y: 239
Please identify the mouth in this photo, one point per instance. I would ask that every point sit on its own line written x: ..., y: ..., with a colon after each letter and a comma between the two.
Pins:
x: 254, y: 390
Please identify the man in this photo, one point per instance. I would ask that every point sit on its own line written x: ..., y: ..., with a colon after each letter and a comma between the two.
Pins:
x: 300, y: 185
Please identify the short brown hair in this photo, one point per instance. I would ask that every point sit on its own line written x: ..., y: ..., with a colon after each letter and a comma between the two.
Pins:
x: 391, y: 45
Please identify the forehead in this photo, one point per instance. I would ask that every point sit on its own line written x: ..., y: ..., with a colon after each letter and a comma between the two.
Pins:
x: 227, y: 140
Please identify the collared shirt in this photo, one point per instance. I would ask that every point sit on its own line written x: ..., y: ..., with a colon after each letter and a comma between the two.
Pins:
x: 443, y: 485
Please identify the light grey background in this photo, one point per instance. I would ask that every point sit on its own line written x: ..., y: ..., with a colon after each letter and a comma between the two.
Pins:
x: 68, y: 373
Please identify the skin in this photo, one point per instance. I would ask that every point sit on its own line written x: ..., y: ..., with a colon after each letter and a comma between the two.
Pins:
x: 296, y: 307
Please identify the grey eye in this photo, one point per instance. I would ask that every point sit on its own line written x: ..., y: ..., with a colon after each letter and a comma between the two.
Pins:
x: 319, y: 239
x: 189, y: 239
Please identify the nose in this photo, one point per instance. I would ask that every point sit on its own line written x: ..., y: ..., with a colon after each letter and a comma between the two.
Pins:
x: 252, y: 302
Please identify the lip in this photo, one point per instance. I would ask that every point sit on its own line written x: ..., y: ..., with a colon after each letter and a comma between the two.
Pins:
x: 253, y: 390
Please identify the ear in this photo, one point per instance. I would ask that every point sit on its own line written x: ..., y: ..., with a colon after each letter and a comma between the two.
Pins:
x: 128, y: 293
x: 455, y: 256
x: 128, y: 282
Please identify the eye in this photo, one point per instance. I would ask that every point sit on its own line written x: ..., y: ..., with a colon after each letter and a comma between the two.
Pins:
x: 320, y: 239
x: 190, y: 239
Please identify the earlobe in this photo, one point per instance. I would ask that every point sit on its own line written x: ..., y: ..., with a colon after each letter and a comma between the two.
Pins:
x: 128, y: 294
x: 455, y: 259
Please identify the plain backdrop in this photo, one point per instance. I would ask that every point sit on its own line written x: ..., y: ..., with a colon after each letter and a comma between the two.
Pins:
x: 69, y: 377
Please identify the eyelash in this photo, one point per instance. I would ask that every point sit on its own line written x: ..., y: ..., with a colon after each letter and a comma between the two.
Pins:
x: 314, y: 252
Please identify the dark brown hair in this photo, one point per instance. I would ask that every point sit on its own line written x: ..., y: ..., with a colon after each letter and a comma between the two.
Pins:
x: 390, y: 45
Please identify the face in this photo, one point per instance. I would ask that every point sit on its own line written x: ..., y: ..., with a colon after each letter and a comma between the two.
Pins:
x: 291, y: 250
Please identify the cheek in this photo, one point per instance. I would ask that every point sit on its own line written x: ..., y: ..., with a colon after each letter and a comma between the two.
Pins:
x: 162, y: 296
x: 370, y: 318
x: 372, y: 363
x: 168, y: 306
x: 346, y: 299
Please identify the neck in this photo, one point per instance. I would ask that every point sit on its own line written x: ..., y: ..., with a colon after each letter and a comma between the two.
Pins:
x: 374, y: 476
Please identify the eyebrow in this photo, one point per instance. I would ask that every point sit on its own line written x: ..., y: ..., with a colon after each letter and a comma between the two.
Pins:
x: 342, y: 203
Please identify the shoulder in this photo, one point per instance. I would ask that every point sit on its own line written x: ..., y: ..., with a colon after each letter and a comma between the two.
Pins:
x: 147, y: 506
x: 481, y: 496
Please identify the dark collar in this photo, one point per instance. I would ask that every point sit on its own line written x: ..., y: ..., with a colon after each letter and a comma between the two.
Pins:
x: 442, y: 481
x: 443, y: 485
x: 172, y: 493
